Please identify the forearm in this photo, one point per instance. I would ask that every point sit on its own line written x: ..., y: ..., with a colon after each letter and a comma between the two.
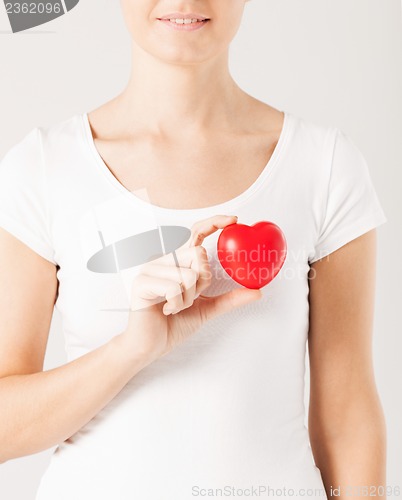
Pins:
x: 351, y: 452
x: 42, y: 409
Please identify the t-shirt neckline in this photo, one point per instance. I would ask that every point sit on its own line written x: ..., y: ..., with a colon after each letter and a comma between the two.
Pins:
x: 223, y: 208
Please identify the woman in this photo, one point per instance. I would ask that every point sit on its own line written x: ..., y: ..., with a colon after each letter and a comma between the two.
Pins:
x: 180, y: 382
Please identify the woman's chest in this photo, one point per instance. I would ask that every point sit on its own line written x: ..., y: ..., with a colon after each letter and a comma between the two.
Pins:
x: 189, y: 175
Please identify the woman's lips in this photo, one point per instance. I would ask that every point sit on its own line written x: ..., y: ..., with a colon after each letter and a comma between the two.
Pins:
x: 184, y: 27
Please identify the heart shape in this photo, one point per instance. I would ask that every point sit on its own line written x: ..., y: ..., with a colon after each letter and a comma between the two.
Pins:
x: 252, y: 255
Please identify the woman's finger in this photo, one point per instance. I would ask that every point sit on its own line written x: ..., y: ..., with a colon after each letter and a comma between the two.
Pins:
x: 194, y: 258
x: 174, y: 273
x: 203, y: 268
x: 151, y: 290
x: 203, y: 228
x: 185, y: 275
x: 199, y: 231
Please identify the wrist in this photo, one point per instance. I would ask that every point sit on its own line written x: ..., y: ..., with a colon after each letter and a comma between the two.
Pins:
x: 136, y: 357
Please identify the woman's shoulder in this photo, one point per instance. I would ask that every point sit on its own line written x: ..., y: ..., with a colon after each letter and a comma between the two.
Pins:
x: 265, y: 118
x: 334, y: 144
x: 32, y: 142
x: 62, y: 131
x: 312, y: 132
x: 42, y: 151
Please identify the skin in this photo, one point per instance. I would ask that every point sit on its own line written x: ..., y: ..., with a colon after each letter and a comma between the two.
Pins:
x: 181, y: 108
x: 346, y: 421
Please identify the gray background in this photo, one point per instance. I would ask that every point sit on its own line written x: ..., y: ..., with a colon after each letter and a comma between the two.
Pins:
x: 337, y: 62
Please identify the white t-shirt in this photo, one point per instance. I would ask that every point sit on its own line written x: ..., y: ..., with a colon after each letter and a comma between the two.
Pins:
x: 226, y: 408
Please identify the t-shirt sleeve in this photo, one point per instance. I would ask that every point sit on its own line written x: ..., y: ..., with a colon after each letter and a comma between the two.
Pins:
x: 23, y: 195
x: 352, y: 207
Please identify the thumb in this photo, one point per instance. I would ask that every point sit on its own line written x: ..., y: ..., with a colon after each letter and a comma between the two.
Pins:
x: 221, y: 304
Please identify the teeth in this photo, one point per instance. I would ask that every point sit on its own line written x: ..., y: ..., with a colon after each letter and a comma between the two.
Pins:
x: 184, y: 21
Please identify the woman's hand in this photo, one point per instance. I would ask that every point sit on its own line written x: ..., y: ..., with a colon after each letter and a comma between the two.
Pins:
x: 165, y: 304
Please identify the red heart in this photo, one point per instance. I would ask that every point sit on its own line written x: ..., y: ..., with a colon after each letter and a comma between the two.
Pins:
x: 252, y: 255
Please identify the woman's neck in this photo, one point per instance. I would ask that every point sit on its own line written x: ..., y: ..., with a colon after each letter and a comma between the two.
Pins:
x: 184, y: 98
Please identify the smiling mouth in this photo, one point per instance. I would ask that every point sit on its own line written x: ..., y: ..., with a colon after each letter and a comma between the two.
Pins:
x: 184, y: 24
x: 181, y: 21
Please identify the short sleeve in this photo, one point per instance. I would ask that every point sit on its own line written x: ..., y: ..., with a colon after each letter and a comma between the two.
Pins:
x: 23, y: 202
x: 352, y: 207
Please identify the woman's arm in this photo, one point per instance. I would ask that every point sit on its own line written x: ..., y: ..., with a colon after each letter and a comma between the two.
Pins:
x: 40, y: 409
x: 346, y: 422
